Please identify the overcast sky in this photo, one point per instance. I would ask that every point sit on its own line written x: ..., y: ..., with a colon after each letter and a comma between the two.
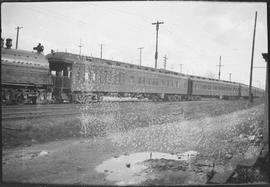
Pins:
x: 194, y: 34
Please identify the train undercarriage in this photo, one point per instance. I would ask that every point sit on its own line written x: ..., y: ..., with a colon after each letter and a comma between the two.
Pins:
x: 25, y: 94
x: 66, y: 96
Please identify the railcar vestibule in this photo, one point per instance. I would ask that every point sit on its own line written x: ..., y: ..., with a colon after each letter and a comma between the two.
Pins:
x: 61, y: 77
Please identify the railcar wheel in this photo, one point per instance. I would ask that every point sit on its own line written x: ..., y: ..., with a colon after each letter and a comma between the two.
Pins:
x: 173, y: 98
x: 80, y: 98
x: 88, y: 99
x: 34, y: 100
x: 20, y: 100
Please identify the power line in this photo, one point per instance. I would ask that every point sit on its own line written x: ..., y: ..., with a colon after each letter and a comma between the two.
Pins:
x: 219, y: 68
x: 165, y: 61
x: 80, y: 46
x: 156, y: 54
x: 17, y: 37
x: 101, y: 45
x: 140, y: 48
x: 251, y: 64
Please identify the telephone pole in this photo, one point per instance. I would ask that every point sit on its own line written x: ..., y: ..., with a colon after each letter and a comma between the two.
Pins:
x: 180, y: 68
x: 156, y: 54
x: 251, y: 65
x: 101, y: 45
x: 230, y: 75
x: 165, y: 61
x: 219, y: 67
x: 80, y: 46
x: 17, y: 38
x: 140, y: 48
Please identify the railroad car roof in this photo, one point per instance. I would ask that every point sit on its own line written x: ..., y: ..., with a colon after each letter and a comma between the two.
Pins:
x: 23, y: 58
x: 214, y: 81
x: 74, y: 58
x: 22, y: 53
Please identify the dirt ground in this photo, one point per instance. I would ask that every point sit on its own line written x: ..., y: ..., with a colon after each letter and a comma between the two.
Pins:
x: 116, y: 117
x: 69, y: 151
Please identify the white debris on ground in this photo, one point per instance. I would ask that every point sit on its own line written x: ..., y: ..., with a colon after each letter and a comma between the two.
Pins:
x: 134, y: 168
x: 43, y: 153
x: 208, y: 134
x: 30, y: 155
x: 217, y: 139
x: 108, y: 98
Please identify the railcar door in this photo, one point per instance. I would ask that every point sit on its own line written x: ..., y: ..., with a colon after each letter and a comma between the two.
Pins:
x: 239, y: 91
x: 190, y: 86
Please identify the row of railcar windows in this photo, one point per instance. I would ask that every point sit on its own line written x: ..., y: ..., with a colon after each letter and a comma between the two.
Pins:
x: 215, y: 87
x: 116, y: 77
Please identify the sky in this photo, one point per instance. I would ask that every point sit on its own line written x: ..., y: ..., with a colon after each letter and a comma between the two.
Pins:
x: 194, y: 34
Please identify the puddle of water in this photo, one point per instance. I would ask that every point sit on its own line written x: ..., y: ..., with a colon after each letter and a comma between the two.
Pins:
x: 31, y: 155
x: 129, y: 169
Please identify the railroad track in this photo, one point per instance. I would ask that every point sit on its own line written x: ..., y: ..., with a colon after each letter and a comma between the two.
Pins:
x: 18, y: 112
x: 41, y: 111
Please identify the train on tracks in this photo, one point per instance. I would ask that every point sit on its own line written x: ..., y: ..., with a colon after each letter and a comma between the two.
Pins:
x: 58, y: 77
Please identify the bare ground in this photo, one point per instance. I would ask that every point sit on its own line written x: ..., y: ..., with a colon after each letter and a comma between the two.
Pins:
x: 116, y: 117
x: 168, y: 128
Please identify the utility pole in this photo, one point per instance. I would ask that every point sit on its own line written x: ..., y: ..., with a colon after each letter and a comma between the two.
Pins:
x: 180, y: 68
x: 219, y: 67
x: 251, y: 65
x: 165, y: 61
x: 101, y: 45
x: 156, y: 54
x: 140, y: 48
x: 80, y: 46
x: 17, y: 38
x: 230, y: 74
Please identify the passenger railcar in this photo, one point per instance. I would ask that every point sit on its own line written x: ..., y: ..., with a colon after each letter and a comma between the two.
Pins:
x: 94, y: 77
x: 214, y: 88
x: 83, y: 79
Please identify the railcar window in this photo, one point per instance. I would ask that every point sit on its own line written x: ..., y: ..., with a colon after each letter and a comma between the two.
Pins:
x: 78, y: 75
x: 143, y: 80
x: 111, y: 77
x: 86, y: 76
x: 132, y: 79
x: 139, y: 80
x: 97, y: 76
x: 93, y: 76
x: 105, y: 74
x: 53, y: 73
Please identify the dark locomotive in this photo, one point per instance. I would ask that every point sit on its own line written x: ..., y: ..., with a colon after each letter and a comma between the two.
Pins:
x: 24, y: 76
x: 31, y: 77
